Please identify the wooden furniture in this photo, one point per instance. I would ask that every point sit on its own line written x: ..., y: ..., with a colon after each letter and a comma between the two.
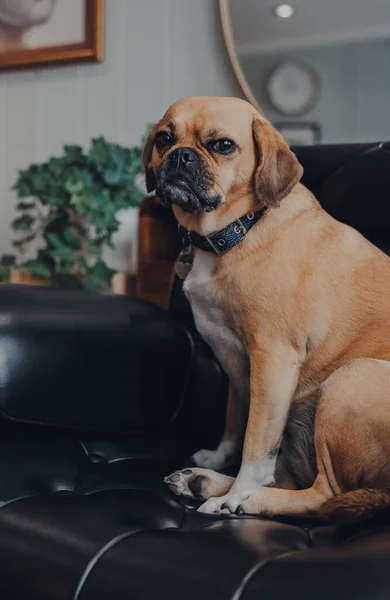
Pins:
x: 25, y: 278
x: 123, y: 284
x: 158, y: 247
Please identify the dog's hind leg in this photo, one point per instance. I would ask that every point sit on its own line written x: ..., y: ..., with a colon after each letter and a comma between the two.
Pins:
x: 200, y: 484
x: 351, y: 445
x: 305, y: 458
x: 272, y: 501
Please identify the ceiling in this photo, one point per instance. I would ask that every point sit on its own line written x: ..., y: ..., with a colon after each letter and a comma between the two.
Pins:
x: 315, y: 23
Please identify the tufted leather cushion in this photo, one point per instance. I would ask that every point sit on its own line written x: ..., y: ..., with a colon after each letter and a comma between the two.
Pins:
x: 100, y: 397
x: 88, y: 518
x: 353, y: 184
x: 89, y: 361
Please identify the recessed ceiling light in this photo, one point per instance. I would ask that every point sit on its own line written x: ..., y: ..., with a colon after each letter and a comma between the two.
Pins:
x: 284, y: 11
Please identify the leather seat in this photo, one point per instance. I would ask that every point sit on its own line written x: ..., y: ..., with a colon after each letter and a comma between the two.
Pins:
x: 101, y: 396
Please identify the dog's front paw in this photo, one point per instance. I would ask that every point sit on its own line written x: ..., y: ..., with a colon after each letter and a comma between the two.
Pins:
x: 249, y: 507
x: 186, y: 483
x: 214, y: 506
x: 221, y: 458
x: 256, y: 504
x: 225, y: 504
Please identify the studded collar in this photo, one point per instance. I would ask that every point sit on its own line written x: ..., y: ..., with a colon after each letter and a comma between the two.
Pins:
x: 224, y: 240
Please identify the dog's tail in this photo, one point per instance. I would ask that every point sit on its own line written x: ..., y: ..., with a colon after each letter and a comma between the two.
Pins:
x: 357, y: 506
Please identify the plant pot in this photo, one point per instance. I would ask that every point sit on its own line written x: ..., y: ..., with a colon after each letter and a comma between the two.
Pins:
x: 123, y: 284
x: 25, y: 278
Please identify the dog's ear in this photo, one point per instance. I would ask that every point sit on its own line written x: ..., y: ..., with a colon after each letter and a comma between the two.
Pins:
x: 150, y: 178
x: 278, y: 169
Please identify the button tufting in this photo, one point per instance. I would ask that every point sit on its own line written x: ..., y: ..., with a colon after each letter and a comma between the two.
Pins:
x: 64, y: 493
x: 97, y: 459
x: 72, y: 530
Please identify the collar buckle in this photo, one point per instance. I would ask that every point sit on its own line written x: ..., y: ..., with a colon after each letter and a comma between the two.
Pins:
x: 212, y: 244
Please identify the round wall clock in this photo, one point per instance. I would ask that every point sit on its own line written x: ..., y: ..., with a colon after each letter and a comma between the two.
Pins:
x: 293, y: 89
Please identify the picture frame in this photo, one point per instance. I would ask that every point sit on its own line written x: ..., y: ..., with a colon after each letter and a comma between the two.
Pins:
x: 300, y: 134
x: 24, y: 28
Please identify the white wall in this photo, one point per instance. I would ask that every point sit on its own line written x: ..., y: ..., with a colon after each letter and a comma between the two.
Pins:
x: 157, y: 51
x: 355, y: 89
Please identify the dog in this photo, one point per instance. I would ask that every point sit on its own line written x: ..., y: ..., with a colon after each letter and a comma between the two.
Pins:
x: 296, y: 307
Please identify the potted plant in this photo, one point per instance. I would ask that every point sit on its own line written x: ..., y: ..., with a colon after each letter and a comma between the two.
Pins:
x: 69, y: 204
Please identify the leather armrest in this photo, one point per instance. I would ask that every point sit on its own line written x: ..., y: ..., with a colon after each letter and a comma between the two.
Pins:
x: 94, y: 362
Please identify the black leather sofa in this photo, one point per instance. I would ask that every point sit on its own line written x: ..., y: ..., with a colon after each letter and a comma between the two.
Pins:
x: 101, y: 396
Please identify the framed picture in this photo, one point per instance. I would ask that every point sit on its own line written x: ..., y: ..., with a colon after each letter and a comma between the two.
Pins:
x: 37, y: 33
x: 300, y: 134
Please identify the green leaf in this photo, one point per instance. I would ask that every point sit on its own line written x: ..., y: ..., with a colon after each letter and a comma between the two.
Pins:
x: 65, y: 266
x: 58, y: 249
x: 56, y: 200
x: 99, y: 278
x: 37, y: 269
x: 57, y: 225
x: 60, y: 280
x: 82, y: 264
x: 22, y: 189
x: 94, y: 248
x: 84, y: 204
x: 102, y: 199
x: 74, y: 154
x: 105, y: 220
x: 24, y: 241
x: 41, y: 267
x: 74, y: 186
x: 56, y: 167
x: 113, y: 175
x: 54, y: 240
x: 72, y: 241
x: 39, y: 182
x: 46, y: 259
x: 99, y: 152
x: 25, y: 205
x: 63, y: 253
x: 7, y: 260
x: 5, y: 273
x: 23, y: 223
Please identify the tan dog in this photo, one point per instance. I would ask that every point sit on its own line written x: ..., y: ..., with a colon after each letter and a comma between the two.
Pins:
x: 298, y: 313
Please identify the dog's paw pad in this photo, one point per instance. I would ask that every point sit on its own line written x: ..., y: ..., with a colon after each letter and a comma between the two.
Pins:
x: 186, y: 483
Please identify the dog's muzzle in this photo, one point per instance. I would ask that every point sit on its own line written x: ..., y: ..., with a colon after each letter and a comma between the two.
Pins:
x: 183, y: 179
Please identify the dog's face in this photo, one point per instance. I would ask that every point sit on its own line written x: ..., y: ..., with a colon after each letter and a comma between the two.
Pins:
x: 207, y: 152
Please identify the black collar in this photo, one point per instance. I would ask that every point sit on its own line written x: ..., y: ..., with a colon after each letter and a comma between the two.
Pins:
x: 224, y: 240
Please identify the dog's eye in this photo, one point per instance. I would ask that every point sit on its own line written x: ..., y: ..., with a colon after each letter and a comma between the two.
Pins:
x: 163, y: 139
x: 224, y: 146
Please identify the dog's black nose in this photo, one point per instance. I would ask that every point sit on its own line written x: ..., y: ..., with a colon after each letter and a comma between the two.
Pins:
x: 184, y: 156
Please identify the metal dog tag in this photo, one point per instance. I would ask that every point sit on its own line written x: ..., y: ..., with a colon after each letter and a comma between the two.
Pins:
x: 184, y: 262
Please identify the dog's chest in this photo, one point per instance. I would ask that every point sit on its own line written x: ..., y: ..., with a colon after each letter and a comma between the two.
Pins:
x: 209, y: 318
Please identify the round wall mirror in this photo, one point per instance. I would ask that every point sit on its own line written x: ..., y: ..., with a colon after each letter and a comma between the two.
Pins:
x: 320, y: 71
